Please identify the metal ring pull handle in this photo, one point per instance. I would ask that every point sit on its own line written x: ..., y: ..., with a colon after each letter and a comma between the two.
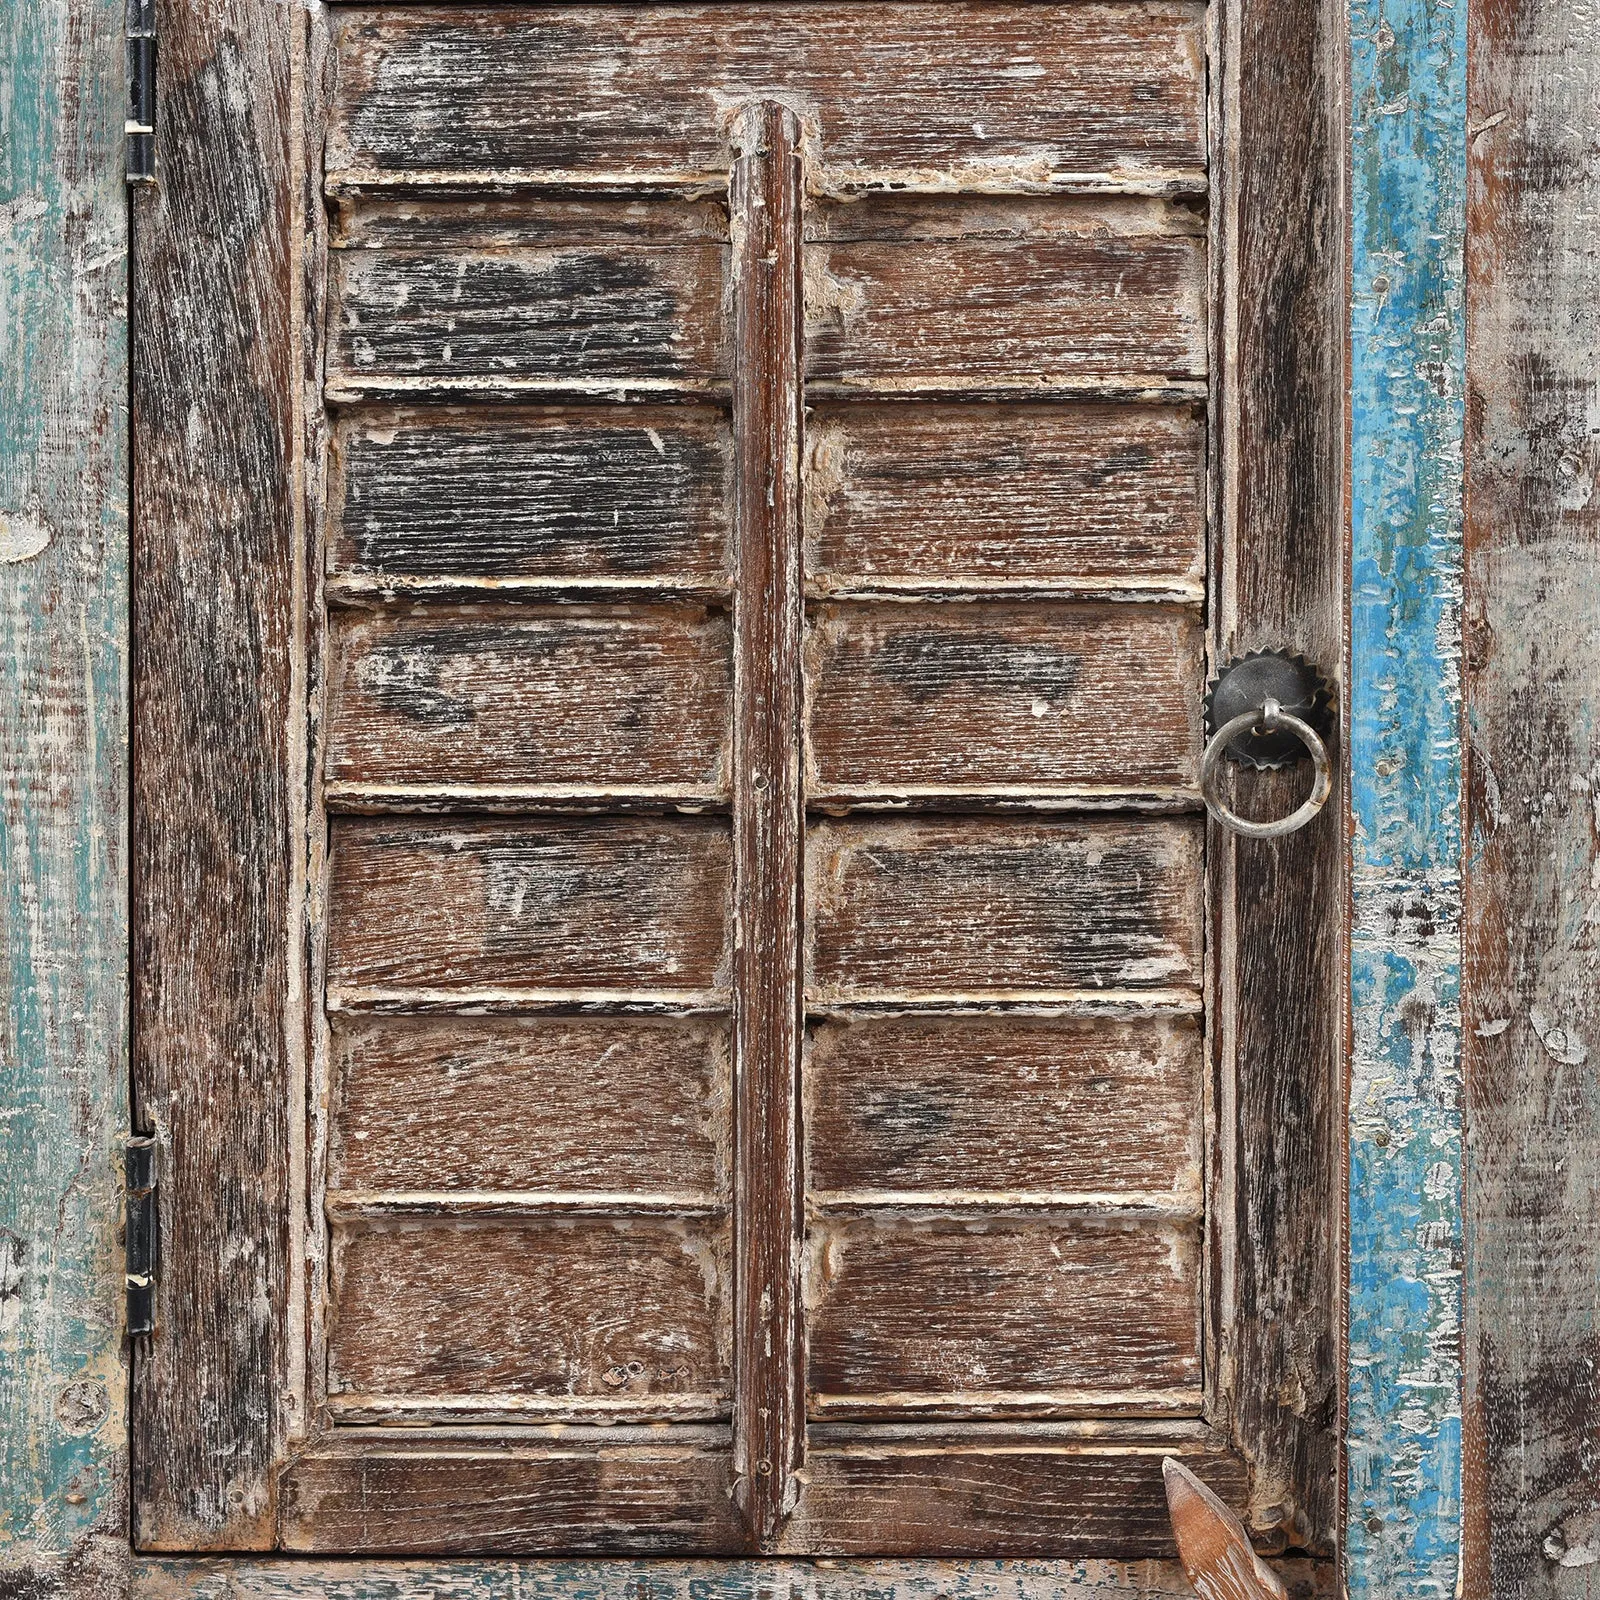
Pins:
x: 1270, y: 717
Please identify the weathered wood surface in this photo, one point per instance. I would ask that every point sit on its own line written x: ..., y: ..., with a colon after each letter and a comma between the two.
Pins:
x: 608, y: 908
x: 582, y: 498
x: 567, y: 1318
x: 765, y: 201
x: 1105, y: 93
x: 1403, y: 1406
x: 625, y: 1579
x: 621, y: 1106
x: 1019, y: 497
x: 1086, y: 1499
x: 580, y: 315
x: 987, y: 316
x: 964, y: 1107
x: 1279, y: 581
x: 63, y: 801
x: 438, y: 701
x: 994, y: 1314
x: 215, y: 716
x: 370, y: 1496
x: 1531, y: 979
x: 973, y: 698
x: 991, y: 908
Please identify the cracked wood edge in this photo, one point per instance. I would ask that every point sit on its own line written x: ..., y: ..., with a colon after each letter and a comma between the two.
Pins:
x: 1531, y: 998
x: 1407, y: 351
x: 766, y: 199
x: 63, y: 811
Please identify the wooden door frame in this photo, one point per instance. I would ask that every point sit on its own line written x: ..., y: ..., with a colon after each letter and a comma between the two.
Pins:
x: 65, y: 604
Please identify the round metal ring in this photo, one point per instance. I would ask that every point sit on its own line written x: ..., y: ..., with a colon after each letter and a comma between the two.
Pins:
x: 1270, y: 716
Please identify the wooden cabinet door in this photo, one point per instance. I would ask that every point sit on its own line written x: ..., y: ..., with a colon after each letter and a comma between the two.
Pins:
x: 685, y: 989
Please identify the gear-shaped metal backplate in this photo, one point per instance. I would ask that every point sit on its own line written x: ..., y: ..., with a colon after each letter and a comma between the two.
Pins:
x: 1246, y: 683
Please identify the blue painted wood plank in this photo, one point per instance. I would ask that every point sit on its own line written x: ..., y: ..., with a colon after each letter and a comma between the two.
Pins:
x: 63, y: 931
x: 1407, y: 379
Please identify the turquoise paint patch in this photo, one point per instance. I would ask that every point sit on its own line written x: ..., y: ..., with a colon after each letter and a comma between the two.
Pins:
x: 1408, y: 361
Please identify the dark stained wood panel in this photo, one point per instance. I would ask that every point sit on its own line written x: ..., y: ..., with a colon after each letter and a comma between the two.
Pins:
x: 1029, y: 316
x: 566, y: 1317
x: 575, y: 314
x: 560, y: 700
x: 948, y: 213
x: 413, y: 222
x: 995, y: 908
x: 594, y: 92
x: 601, y: 497
x: 1015, y: 496
x: 989, y: 1313
x: 987, y: 1106
x: 984, y: 696
x: 381, y: 1498
x: 580, y: 1105
x: 1091, y: 1499
x: 582, y: 907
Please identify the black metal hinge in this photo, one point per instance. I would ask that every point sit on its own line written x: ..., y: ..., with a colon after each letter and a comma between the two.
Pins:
x: 142, y: 1239
x: 141, y: 124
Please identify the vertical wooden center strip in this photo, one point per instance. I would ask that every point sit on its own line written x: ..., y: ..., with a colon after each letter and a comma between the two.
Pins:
x: 768, y: 825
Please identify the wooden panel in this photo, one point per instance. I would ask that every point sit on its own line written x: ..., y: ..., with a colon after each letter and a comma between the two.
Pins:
x: 488, y: 222
x: 990, y: 1106
x: 1015, y: 497
x: 64, y: 462
x: 381, y: 1499
x: 599, y: 497
x: 523, y: 1104
x: 599, y: 91
x: 1089, y: 1500
x: 1044, y: 315
x: 974, y: 697
x: 582, y: 313
x: 766, y: 202
x: 579, y: 907
x: 572, y: 1316
x: 976, y: 1314
x: 1531, y: 1002
x: 1280, y: 581
x: 216, y: 712
x: 995, y: 908
x: 563, y: 701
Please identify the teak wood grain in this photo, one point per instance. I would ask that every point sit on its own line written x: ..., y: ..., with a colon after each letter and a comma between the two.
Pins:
x: 563, y: 1318
x: 1104, y: 92
x: 603, y: 907
x: 1017, y: 1314
x: 439, y: 700
x: 765, y: 201
x: 958, y: 1109
x: 996, y: 908
x: 580, y: 498
x: 957, y: 698
x: 1004, y: 497
x: 569, y: 1105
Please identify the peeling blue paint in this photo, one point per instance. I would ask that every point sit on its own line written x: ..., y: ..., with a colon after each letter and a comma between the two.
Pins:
x: 1407, y: 381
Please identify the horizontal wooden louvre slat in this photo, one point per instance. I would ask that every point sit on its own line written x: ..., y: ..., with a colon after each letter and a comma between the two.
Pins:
x: 955, y: 697
x: 988, y: 1107
x: 577, y: 1105
x: 993, y: 909
x: 592, y: 497
x: 1031, y: 316
x: 973, y: 496
x: 565, y: 1317
x: 378, y: 1498
x: 1102, y: 1500
x: 586, y: 909
x: 978, y: 1316
x: 562, y: 701
x: 574, y: 314
x: 596, y: 93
